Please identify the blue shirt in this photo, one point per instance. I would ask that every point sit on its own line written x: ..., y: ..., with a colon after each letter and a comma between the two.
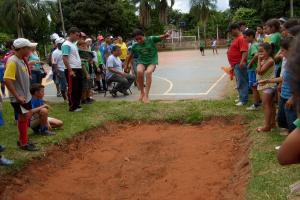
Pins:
x: 105, y: 49
x: 35, y: 103
x: 286, y: 90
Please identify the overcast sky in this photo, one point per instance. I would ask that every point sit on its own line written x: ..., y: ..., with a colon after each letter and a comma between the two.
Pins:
x: 184, y: 5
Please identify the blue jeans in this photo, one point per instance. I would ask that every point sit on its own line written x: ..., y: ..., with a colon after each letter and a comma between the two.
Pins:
x: 36, y: 76
x: 286, y: 117
x: 241, y: 76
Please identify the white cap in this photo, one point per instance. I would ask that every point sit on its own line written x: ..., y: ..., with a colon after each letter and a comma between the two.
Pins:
x: 22, y: 42
x: 59, y: 40
x: 54, y: 36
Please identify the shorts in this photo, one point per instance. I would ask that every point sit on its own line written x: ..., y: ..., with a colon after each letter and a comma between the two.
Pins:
x: 87, y: 84
x: 36, y: 121
x: 1, y: 74
x: 201, y: 48
x: 252, y: 78
x: 146, y: 66
x: 17, y: 107
x: 269, y: 91
x: 63, y: 84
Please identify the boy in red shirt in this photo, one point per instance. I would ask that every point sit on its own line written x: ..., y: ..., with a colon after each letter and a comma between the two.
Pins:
x: 237, y: 57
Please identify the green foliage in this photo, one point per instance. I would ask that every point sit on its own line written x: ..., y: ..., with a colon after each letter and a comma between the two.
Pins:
x: 116, y: 17
x: 267, y: 9
x: 247, y: 15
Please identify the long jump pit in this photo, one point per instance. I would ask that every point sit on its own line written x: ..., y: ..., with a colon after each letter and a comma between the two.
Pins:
x: 140, y: 161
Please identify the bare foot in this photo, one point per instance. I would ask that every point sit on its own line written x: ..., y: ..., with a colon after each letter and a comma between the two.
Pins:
x: 141, y: 98
x: 263, y: 129
x: 146, y: 100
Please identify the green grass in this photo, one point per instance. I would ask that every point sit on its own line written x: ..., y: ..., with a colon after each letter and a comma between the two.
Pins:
x: 268, y: 179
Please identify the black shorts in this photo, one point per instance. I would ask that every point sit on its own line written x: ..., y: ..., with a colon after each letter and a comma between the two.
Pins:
x: 201, y: 48
x: 17, y: 107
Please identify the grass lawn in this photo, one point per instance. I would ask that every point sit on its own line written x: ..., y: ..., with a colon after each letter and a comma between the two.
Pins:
x: 268, y: 179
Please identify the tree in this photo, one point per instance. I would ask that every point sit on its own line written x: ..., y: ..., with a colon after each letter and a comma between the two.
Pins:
x: 247, y: 15
x: 201, y: 9
x: 20, y: 13
x: 146, y: 6
x: 114, y: 16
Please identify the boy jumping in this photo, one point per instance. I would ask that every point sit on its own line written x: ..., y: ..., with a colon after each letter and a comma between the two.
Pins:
x: 147, y: 53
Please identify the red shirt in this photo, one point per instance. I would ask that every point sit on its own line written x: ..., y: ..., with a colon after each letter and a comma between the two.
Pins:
x: 236, y: 49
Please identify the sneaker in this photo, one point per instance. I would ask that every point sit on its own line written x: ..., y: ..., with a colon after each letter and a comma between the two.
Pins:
x: 47, y: 133
x: 59, y: 95
x: 113, y: 93
x: 2, y: 148
x: 253, y: 108
x: 29, y: 147
x: 5, y: 161
x: 125, y: 93
x: 29, y: 142
x: 277, y: 148
x: 77, y: 110
x: 240, y: 104
x: 237, y: 100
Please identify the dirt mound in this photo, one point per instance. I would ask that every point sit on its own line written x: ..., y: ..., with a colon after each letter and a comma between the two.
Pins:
x: 141, y: 161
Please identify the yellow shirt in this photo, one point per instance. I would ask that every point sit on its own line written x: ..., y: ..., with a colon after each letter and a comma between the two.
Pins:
x: 123, y: 47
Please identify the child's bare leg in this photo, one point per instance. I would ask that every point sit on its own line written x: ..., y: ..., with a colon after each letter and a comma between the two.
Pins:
x: 273, y: 118
x: 267, y: 104
x: 44, y: 117
x: 140, y: 80
x: 290, y: 149
x: 149, y: 72
x: 256, y: 95
x: 55, y: 123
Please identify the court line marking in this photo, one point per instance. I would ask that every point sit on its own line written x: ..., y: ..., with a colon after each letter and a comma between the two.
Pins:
x: 167, y: 93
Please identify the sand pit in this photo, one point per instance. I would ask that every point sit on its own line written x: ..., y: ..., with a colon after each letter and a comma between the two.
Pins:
x: 141, y: 162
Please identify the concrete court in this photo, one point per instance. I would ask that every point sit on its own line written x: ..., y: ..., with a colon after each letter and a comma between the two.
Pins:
x: 179, y: 75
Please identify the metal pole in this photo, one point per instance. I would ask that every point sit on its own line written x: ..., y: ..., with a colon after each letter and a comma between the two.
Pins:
x: 217, y: 32
x: 62, y: 18
x: 292, y: 7
x: 198, y: 33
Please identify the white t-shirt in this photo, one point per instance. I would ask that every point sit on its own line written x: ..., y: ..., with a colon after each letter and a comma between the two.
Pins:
x: 70, y: 49
x: 57, y: 59
x: 113, y: 62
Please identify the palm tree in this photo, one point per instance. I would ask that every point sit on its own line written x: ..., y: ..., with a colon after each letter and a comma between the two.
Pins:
x: 201, y: 9
x: 20, y: 12
x: 145, y: 7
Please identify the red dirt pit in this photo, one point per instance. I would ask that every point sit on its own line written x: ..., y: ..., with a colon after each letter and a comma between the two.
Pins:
x: 157, y: 161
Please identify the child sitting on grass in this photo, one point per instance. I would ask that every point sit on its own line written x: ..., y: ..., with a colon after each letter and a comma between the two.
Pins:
x: 40, y: 122
x: 266, y: 70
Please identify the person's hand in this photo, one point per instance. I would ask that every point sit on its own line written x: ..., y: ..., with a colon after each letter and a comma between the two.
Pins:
x: 46, y: 106
x: 242, y: 65
x: 21, y: 99
x: 88, y: 77
x: 249, y: 66
x: 289, y: 104
x: 263, y: 82
x: 98, y: 70
x: 124, y: 74
x: 72, y: 73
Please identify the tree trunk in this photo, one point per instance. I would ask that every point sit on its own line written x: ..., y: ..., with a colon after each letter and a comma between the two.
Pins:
x: 19, y: 25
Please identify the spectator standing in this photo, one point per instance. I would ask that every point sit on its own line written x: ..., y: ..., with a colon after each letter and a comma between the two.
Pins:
x: 237, y: 56
x: 72, y: 62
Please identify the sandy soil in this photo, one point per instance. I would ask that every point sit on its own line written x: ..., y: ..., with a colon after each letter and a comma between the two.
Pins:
x: 140, y: 162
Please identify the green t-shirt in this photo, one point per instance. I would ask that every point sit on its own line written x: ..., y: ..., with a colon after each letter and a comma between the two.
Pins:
x: 275, y: 39
x: 202, y: 44
x: 253, y: 49
x: 147, y: 52
x: 297, y: 123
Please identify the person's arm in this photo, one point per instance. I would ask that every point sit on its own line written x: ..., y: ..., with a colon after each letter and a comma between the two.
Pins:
x: 128, y: 61
x: 244, y: 59
x: 290, y: 103
x: 165, y: 36
x: 85, y: 71
x: 265, y: 67
x: 9, y: 78
x: 38, y: 109
x: 273, y: 80
x: 253, y: 60
x: 66, y: 50
x: 113, y: 70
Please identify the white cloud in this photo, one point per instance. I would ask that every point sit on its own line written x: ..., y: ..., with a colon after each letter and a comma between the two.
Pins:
x: 184, y: 5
